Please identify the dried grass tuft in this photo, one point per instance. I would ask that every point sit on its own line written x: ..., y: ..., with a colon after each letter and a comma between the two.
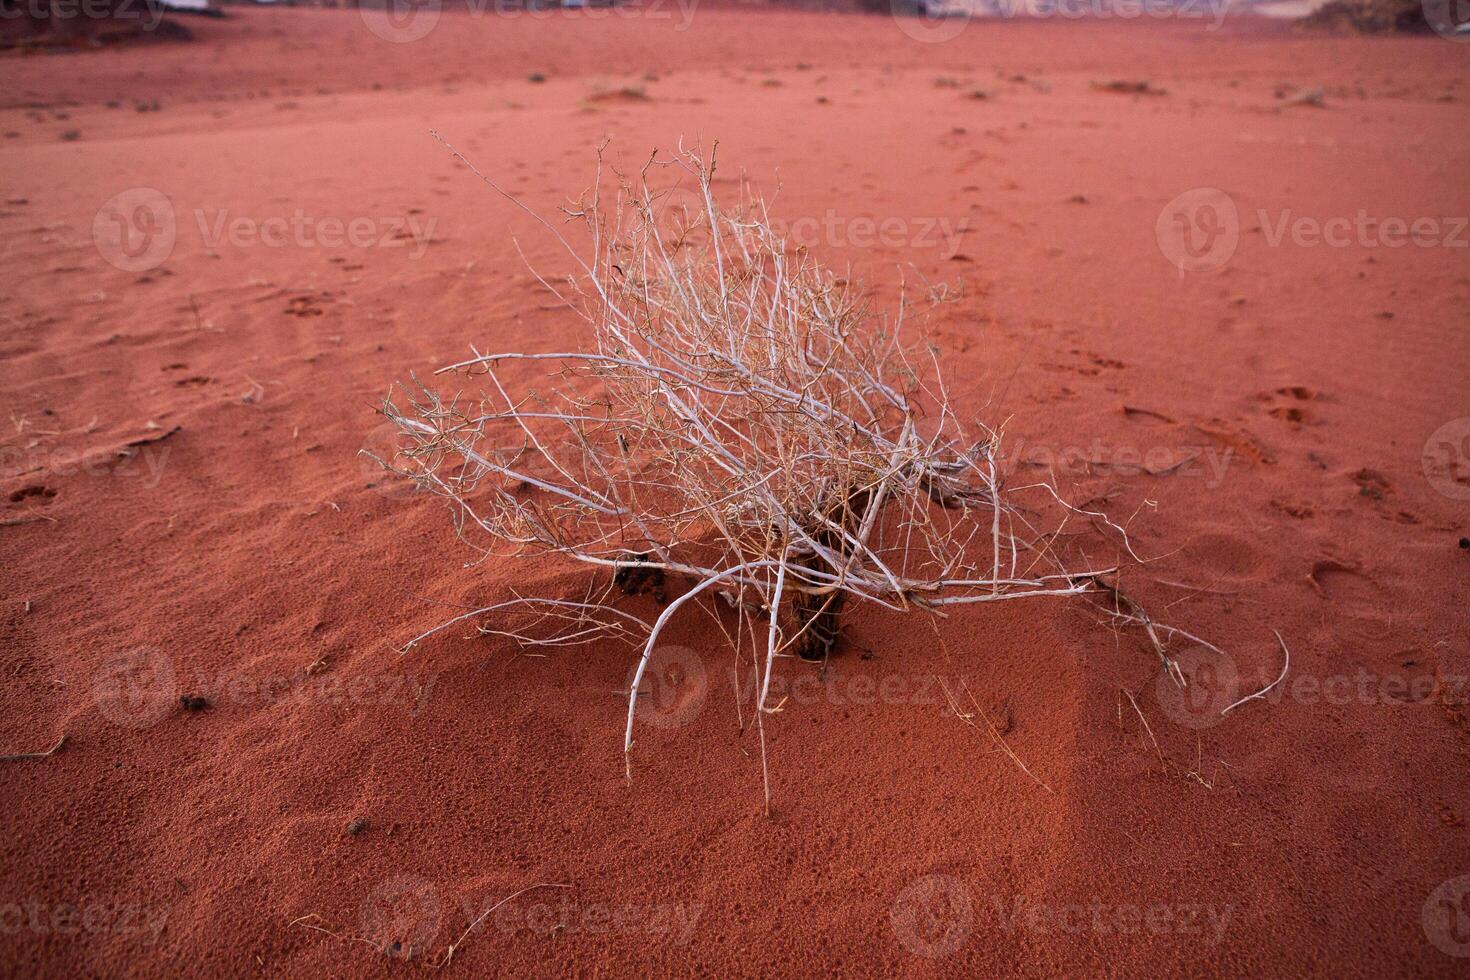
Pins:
x: 739, y: 423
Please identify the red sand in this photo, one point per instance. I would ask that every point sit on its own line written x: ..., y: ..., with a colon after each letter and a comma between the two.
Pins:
x: 246, y: 559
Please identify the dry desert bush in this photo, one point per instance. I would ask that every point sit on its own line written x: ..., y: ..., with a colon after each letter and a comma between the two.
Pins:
x: 740, y: 425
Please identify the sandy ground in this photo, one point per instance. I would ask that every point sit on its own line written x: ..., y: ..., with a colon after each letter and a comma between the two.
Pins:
x: 185, y: 514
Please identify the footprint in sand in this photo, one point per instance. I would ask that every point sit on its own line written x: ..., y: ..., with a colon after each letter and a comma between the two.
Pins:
x: 1358, y: 613
x: 1240, y: 442
x: 1298, y: 509
x: 305, y: 306
x: 1372, y: 484
x: 1289, y: 413
x: 34, y: 493
x: 1222, y: 555
x: 1446, y: 459
x: 1354, y: 766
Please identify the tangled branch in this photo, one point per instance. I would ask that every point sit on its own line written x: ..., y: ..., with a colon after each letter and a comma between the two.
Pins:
x: 738, y: 420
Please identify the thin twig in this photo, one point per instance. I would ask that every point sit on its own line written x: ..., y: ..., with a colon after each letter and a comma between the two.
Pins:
x: 21, y: 756
x: 1281, y: 677
x: 1146, y: 727
x: 449, y: 953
